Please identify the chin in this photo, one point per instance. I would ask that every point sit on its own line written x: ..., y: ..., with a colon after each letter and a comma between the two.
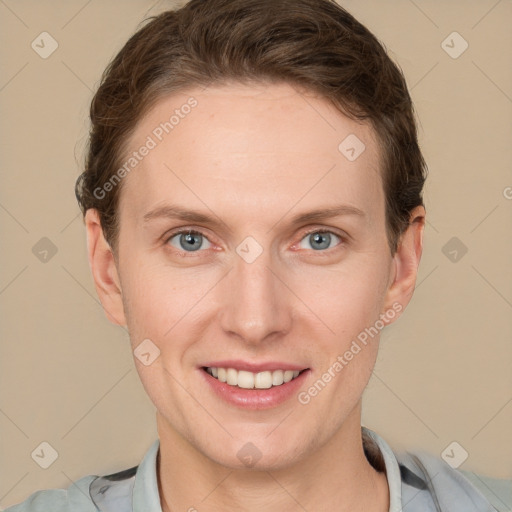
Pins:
x: 259, y: 453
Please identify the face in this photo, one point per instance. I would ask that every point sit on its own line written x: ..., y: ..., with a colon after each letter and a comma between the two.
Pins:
x: 252, y: 248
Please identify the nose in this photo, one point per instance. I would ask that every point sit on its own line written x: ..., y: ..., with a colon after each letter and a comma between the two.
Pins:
x: 257, y: 304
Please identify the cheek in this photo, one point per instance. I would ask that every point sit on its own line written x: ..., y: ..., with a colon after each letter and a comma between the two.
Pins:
x: 349, y: 302
x: 161, y: 301
x: 348, y: 299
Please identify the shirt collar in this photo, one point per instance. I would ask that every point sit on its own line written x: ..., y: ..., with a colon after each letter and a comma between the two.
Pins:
x: 146, y: 497
x: 392, y: 470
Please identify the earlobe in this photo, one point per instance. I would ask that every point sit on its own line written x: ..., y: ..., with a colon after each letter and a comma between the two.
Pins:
x: 104, y: 270
x: 406, y: 261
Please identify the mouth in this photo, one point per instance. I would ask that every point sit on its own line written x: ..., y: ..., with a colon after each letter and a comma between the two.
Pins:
x: 254, y: 386
x: 244, y: 379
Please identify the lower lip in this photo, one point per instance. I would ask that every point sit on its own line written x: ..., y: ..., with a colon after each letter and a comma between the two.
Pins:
x: 256, y: 399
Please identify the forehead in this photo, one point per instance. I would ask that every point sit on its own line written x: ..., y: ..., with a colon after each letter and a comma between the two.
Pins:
x: 243, y: 147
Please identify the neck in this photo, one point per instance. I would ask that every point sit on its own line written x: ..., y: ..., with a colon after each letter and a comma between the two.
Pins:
x: 336, y: 476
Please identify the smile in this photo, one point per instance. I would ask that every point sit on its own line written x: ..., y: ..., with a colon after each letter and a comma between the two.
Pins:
x: 249, y: 380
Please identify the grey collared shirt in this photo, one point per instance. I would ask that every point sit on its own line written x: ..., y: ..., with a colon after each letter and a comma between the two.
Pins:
x: 418, y: 482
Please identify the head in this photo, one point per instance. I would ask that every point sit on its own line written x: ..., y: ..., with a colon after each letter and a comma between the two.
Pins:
x: 254, y: 114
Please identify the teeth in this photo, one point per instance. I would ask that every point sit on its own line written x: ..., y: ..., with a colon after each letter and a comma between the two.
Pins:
x: 250, y: 380
x: 245, y: 380
x: 277, y: 377
x: 231, y: 377
x: 263, y: 380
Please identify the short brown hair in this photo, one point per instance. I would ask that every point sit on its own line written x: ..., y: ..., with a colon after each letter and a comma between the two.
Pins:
x: 314, y: 44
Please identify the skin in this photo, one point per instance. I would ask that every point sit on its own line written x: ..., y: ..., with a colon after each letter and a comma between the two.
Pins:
x: 251, y: 158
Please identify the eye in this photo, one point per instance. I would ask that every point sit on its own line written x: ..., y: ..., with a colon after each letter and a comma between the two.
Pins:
x: 319, y: 240
x: 188, y: 240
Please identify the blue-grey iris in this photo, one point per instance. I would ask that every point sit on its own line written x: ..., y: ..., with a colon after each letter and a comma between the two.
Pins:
x: 317, y: 237
x: 193, y: 241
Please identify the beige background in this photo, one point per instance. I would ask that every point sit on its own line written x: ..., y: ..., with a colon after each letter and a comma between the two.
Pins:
x: 67, y: 375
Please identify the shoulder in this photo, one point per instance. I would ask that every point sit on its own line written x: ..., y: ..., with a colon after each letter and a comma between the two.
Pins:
x: 425, y: 476
x: 497, y: 490
x: 89, y: 494
x: 75, y: 498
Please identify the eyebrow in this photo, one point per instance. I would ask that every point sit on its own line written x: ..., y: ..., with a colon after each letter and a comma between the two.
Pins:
x: 179, y: 213
x: 176, y: 212
x: 327, y: 213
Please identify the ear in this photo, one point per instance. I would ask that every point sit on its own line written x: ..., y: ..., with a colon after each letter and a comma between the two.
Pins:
x: 405, y: 263
x: 104, y: 270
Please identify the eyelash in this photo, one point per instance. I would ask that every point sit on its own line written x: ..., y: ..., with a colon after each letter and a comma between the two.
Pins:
x: 180, y: 231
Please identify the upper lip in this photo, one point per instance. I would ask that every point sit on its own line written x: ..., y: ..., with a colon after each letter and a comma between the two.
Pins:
x: 247, y: 366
